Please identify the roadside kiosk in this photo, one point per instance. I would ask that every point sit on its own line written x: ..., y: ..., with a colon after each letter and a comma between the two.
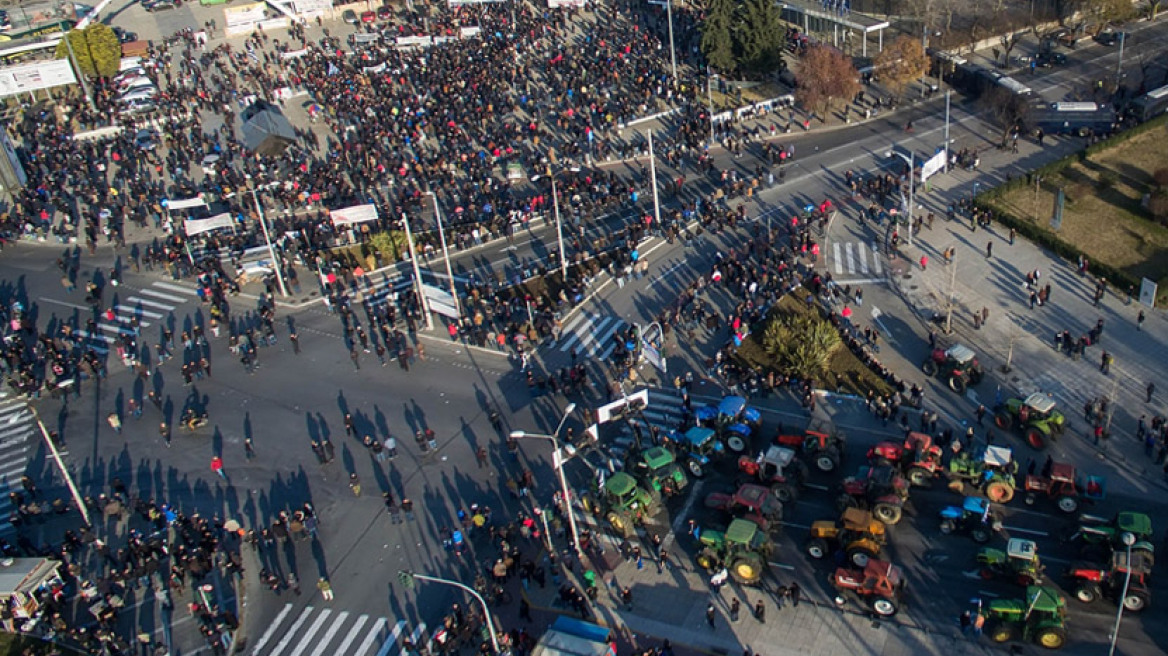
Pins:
x: 573, y: 637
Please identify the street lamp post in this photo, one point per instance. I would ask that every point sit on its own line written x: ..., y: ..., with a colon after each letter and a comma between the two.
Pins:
x: 445, y: 251
x: 417, y: 273
x: 558, y: 465
x: 559, y: 232
x: 1128, y: 540
x: 673, y: 52
x: 276, y: 264
x: 409, y: 576
x: 61, y: 466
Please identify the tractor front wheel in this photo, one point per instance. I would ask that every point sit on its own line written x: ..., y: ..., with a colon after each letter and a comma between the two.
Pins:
x: 888, y: 513
x: 621, y: 524
x: 784, y: 493
x: 1136, y: 600
x: 1004, y: 420
x: 999, y: 491
x: 957, y: 384
x: 859, y: 556
x: 1051, y: 637
x: 707, y: 560
x: 929, y: 367
x: 1088, y: 593
x: 1002, y: 632
x: 920, y: 477
x: 980, y: 534
x: 696, y: 468
x: 827, y: 460
x: 1036, y: 439
x: 948, y: 526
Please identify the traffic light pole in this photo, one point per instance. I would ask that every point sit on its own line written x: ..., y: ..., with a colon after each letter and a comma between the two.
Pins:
x: 408, y: 578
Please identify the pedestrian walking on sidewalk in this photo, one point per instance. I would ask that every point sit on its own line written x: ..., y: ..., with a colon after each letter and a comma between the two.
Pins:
x: 115, y: 422
x: 793, y: 592
x: 1140, y: 320
x: 760, y: 612
x: 326, y: 589
x: 1151, y: 391
x: 710, y: 615
x: 989, y: 250
x: 735, y: 607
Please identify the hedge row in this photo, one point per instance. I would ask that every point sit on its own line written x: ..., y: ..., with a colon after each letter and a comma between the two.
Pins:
x: 1044, y: 237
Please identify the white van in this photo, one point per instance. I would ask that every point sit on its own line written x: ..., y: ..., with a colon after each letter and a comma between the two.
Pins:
x: 138, y: 95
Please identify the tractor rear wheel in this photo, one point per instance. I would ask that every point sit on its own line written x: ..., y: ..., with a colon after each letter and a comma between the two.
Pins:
x: 817, y: 548
x: 827, y: 460
x: 620, y: 523
x: 999, y: 491
x: 929, y: 367
x: 1036, y: 439
x: 696, y: 468
x: 1051, y: 637
x: 747, y: 568
x: 957, y: 384
x: 980, y: 534
x: 707, y: 559
x: 1088, y: 593
x: 948, y: 526
x: 888, y: 513
x: 736, y: 443
x: 884, y: 607
x: 1137, y: 599
x: 975, y: 376
x: 859, y: 556
x: 1002, y: 632
x: 920, y: 477
x: 1004, y: 420
x: 1067, y: 504
x: 784, y: 492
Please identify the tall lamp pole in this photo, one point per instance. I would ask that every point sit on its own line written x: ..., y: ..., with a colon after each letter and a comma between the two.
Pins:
x: 673, y: 52
x: 445, y: 251
x: 559, y: 232
x: 408, y: 578
x: 558, y: 465
x: 61, y: 466
x: 417, y: 273
x: 276, y: 264
x: 1128, y: 540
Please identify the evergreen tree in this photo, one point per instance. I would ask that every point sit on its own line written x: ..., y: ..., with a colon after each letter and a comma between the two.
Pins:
x: 760, y: 36
x: 717, y: 38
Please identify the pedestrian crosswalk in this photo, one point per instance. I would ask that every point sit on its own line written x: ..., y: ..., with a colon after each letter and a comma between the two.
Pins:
x: 855, y: 258
x: 17, y: 439
x: 665, y: 410
x: 324, y: 632
x: 148, y: 306
x: 591, y: 334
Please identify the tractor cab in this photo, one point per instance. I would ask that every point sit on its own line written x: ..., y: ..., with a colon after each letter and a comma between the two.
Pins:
x: 776, y: 464
x: 1019, y: 562
x: 1066, y: 486
x: 698, y: 446
x: 731, y: 418
x: 754, y: 502
x: 746, y: 534
x: 975, y: 507
x: 625, y: 495
x: 658, y: 467
x: 1098, y: 530
x: 1036, y: 407
x: 880, y: 582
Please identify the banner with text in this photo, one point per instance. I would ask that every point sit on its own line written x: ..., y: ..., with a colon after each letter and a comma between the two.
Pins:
x: 199, y: 226
x: 30, y: 77
x: 354, y: 214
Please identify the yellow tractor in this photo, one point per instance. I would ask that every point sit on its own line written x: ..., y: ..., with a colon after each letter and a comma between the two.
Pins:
x: 856, y: 533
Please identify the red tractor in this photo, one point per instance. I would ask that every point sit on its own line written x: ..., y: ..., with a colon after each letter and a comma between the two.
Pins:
x: 879, y: 583
x: 1094, y: 581
x: 777, y: 468
x: 1066, y: 486
x: 957, y: 364
x: 880, y: 488
x: 820, y: 442
x: 753, y: 502
x: 918, y: 458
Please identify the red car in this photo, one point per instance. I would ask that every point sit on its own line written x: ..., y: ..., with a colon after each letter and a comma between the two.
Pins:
x: 368, y: 17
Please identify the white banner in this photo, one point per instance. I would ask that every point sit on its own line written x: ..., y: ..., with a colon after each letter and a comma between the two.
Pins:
x: 413, y: 41
x: 375, y: 69
x: 439, y: 300
x: 40, y: 75
x: 934, y: 164
x: 294, y: 54
x: 306, y: 6
x: 354, y: 214
x: 199, y: 226
x: 468, y: 32
x: 556, y: 4
x: 183, y: 203
x: 244, y: 14
x: 460, y: 3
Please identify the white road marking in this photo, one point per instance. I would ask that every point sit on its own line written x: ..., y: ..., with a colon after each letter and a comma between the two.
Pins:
x: 272, y: 629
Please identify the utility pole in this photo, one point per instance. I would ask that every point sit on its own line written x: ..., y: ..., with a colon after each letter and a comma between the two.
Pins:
x: 710, y: 99
x: 445, y: 252
x: 1037, y: 182
x: 276, y: 264
x: 673, y: 53
x: 948, y: 95
x: 653, y: 179
x: 952, y: 289
x: 1119, y: 66
x: 912, y: 178
x: 417, y: 274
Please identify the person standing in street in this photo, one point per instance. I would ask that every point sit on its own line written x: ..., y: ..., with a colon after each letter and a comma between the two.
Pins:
x: 248, y: 449
x: 1151, y: 391
x: 710, y: 615
x: 989, y: 249
x: 326, y: 589
x: 355, y: 484
x: 793, y: 591
x: 1140, y: 320
x: 760, y: 612
x: 735, y: 607
x: 115, y: 422
x: 217, y: 467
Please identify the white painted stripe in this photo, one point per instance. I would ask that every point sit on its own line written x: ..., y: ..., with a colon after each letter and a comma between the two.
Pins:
x: 608, y: 351
x: 838, y: 259
x: 290, y: 634
x: 391, y: 643
x: 344, y: 646
x: 601, y: 336
x: 103, y: 338
x: 136, y: 312
x: 272, y: 629
x: 320, y: 620
x: 332, y: 631
x: 574, y: 324
x: 372, y: 636
x: 153, y: 304
x: 863, y: 281
x: 860, y: 255
x: 169, y: 297
x: 570, y: 335
x: 176, y: 288
x: 589, y: 337
x: 851, y: 257
x: 876, y: 258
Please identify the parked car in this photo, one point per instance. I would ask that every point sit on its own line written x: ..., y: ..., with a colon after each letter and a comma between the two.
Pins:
x: 125, y: 36
x: 1110, y: 37
x: 368, y: 17
x: 350, y: 17
x: 1048, y: 59
x: 384, y: 13
x: 146, y: 140
x: 139, y: 106
x: 138, y: 81
x: 140, y: 94
x: 160, y: 5
x: 139, y: 86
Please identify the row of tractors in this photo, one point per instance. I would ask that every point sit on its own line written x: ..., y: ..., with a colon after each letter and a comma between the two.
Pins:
x: 873, y: 500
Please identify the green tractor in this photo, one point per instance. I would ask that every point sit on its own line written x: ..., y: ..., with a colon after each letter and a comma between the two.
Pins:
x: 657, y: 466
x: 1097, y: 536
x: 990, y: 471
x: 1019, y: 563
x: 626, y: 505
x: 743, y: 549
x: 1039, y: 618
x: 1035, y: 416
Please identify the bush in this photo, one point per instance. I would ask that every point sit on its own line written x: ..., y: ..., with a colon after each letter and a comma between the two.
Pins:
x: 802, y: 345
x: 1107, y: 181
x: 1161, y: 177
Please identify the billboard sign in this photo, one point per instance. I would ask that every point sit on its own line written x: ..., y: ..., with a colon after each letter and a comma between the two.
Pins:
x: 24, y: 78
x: 354, y: 214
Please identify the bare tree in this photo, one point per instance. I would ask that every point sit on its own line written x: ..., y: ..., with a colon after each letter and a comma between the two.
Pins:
x: 1009, y: 41
x: 826, y: 75
x: 900, y: 63
x: 1006, y: 108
